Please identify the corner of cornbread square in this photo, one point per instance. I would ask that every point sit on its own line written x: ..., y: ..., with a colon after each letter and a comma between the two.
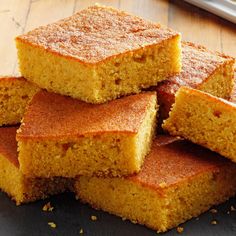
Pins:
x: 15, y: 94
x: 178, y: 181
x: 99, y: 54
x: 202, y: 69
x: 204, y: 119
x: 14, y: 183
x: 62, y: 136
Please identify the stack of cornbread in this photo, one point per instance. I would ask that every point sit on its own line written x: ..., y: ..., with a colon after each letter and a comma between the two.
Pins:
x: 94, y: 92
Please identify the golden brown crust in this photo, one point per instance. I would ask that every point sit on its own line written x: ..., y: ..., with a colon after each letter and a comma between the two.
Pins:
x: 97, y: 33
x: 198, y: 63
x: 8, y: 144
x: 173, y: 161
x: 11, y: 79
x: 51, y: 116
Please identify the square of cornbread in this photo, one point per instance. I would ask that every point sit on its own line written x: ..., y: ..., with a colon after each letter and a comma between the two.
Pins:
x: 62, y: 136
x: 202, y: 69
x: 20, y: 188
x: 99, y: 54
x: 178, y: 181
x: 15, y: 94
x: 204, y: 119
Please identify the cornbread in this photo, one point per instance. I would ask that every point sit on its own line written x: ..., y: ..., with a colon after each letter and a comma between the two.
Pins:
x: 179, y: 180
x: 202, y: 69
x: 99, y: 54
x: 14, y: 183
x: 61, y: 136
x: 205, y: 120
x: 15, y: 94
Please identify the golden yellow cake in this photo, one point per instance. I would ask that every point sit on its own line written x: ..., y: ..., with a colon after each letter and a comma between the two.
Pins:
x: 204, y: 119
x: 62, y: 136
x: 178, y: 181
x: 202, y: 69
x: 15, y: 94
x: 20, y: 188
x: 99, y: 54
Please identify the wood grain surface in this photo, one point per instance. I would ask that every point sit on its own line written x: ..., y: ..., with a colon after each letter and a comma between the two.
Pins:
x: 196, y: 25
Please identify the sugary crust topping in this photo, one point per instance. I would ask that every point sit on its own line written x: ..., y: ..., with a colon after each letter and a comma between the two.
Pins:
x: 172, y: 161
x: 198, y: 63
x: 53, y: 117
x: 8, y: 145
x: 97, y: 33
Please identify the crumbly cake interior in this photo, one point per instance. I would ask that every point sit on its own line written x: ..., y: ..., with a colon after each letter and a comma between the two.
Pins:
x: 15, y: 94
x: 111, y: 153
x: 136, y: 49
x: 160, y: 210
x: 205, y: 120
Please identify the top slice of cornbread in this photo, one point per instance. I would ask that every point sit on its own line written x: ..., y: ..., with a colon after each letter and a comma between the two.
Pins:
x: 202, y: 69
x: 99, y: 54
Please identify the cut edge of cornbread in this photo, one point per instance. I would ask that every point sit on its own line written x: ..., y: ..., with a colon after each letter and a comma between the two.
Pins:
x: 160, y: 209
x: 110, y: 153
x: 24, y: 190
x: 217, y: 84
x: 109, y: 79
x: 204, y: 119
x: 15, y: 95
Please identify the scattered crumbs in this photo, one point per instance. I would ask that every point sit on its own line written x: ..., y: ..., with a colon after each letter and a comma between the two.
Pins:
x: 134, y: 221
x: 197, y: 218
x: 163, y: 184
x: 81, y: 231
x: 94, y: 218
x: 48, y: 207
x: 52, y: 225
x: 232, y: 208
x: 180, y: 230
x: 214, y: 222
x: 213, y: 211
x: 123, y: 218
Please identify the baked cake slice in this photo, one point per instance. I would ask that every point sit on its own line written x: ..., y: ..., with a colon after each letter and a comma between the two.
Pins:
x: 15, y: 94
x: 205, y: 120
x: 202, y: 69
x: 179, y: 180
x: 62, y: 136
x: 20, y: 188
x: 99, y: 54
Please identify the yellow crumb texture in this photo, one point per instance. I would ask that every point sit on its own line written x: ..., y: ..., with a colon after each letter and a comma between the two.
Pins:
x: 22, y: 189
x: 15, y: 94
x: 205, y: 120
x: 109, y: 153
x: 159, y: 210
x: 220, y: 83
